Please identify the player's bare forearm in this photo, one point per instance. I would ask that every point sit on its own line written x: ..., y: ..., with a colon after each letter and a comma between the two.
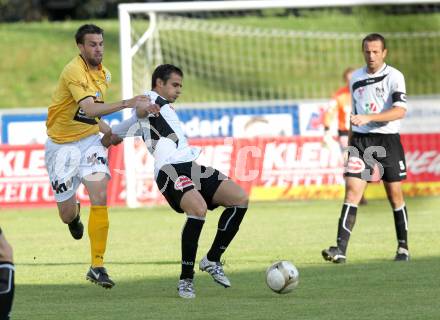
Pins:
x: 92, y: 109
x: 394, y: 113
x: 104, y: 127
x: 106, y: 139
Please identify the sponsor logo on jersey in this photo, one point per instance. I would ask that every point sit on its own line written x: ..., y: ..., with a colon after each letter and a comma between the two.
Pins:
x: 182, y: 182
x: 380, y: 92
x: 108, y: 76
x: 371, y: 107
x: 355, y: 165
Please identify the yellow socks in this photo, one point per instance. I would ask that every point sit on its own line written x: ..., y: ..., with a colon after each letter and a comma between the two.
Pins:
x: 98, y: 231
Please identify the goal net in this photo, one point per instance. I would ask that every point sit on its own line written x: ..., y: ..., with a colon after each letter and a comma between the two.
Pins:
x: 244, y: 53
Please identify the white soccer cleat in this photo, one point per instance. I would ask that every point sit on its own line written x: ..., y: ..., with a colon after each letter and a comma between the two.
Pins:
x: 402, y: 254
x: 185, y: 287
x: 215, y: 269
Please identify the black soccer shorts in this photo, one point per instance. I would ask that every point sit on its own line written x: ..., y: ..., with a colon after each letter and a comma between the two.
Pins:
x: 174, y: 180
x: 374, y: 149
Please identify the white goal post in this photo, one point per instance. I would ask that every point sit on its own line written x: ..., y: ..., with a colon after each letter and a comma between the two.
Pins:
x: 228, y: 62
x: 129, y: 48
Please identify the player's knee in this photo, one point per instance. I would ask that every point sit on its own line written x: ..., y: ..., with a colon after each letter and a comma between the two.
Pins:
x: 199, y: 210
x: 396, y: 202
x: 5, y: 251
x: 352, y: 196
x: 67, y: 214
x: 242, y: 198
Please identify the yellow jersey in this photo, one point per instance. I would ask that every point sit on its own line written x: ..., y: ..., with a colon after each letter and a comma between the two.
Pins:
x: 66, y: 121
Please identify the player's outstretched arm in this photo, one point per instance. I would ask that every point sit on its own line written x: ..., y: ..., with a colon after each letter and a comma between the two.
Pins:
x: 92, y: 109
x: 129, y: 127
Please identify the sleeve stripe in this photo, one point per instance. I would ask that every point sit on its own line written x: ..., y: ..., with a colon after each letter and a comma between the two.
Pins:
x: 83, y: 98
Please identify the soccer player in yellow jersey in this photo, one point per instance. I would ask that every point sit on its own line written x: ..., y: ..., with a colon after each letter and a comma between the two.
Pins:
x: 74, y: 152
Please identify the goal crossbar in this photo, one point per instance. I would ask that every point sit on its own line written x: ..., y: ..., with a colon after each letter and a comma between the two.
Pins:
x: 255, y: 4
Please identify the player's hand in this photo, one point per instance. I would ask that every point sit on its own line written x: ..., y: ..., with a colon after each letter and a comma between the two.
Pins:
x: 115, y: 139
x: 138, y: 100
x: 145, y: 109
x: 106, y: 139
x: 359, y: 119
x: 110, y: 139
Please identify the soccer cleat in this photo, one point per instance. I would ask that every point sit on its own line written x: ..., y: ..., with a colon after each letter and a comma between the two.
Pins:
x: 402, y: 254
x: 76, y: 227
x: 333, y: 254
x: 185, y: 287
x: 215, y: 269
x: 100, y: 276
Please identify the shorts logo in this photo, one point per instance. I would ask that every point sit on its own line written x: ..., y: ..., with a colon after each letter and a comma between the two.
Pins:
x: 61, y: 187
x: 182, y: 182
x: 355, y: 165
x: 95, y: 160
x: 401, y: 165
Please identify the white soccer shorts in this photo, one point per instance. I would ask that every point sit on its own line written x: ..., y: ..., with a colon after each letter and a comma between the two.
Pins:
x: 68, y: 163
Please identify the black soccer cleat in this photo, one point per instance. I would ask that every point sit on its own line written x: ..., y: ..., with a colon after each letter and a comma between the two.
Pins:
x: 333, y: 254
x: 402, y: 254
x: 100, y: 277
x: 76, y: 227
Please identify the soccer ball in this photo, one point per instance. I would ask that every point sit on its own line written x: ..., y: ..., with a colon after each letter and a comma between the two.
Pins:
x: 282, y: 277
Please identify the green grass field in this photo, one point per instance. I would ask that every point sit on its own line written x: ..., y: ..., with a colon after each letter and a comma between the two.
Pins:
x: 143, y: 259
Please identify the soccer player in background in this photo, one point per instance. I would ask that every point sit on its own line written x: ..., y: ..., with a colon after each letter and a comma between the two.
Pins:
x: 7, y: 271
x: 73, y: 151
x: 339, y: 110
x: 187, y: 186
x: 379, y: 102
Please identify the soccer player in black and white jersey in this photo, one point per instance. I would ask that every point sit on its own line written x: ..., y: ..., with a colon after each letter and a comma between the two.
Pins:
x: 187, y: 186
x: 379, y: 102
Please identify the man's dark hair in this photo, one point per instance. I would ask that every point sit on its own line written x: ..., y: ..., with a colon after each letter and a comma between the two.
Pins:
x: 375, y: 37
x: 87, y: 29
x: 163, y: 72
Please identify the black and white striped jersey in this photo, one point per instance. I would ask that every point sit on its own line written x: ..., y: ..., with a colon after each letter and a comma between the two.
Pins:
x: 163, y: 134
x: 375, y: 93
